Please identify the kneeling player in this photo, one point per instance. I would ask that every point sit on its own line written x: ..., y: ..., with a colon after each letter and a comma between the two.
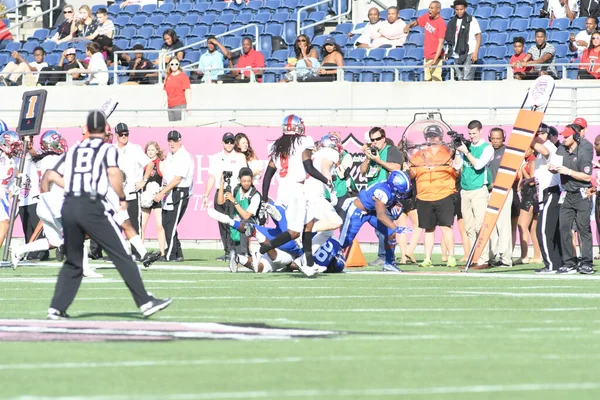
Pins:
x: 371, y: 206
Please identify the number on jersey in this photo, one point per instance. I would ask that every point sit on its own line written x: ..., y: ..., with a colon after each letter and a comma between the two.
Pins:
x: 326, y: 252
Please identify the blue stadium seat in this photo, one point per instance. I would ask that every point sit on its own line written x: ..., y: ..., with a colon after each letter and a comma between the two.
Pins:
x: 498, y: 25
x: 191, y: 20
x: 201, y: 7
x: 113, y: 9
x: 484, y: 38
x: 535, y: 23
x: 156, y: 20
x: 266, y: 44
x: 559, y: 37
x: 121, y: 20
x: 145, y: 32
x: 317, y: 16
x: 502, y: 12
x: 562, y: 50
x: 280, y: 17
x: 148, y: 9
x: 254, y: 5
x: 579, y: 23
x: 280, y: 55
x: 226, y: 18
x: 560, y: 24
x: 217, y: 6
x: 289, y: 32
x: 139, y: 20
x: 208, y: 19
x: 49, y: 46
x: 131, y: 9
x: 41, y: 34
x: 499, y: 39
x: 217, y: 29
x: 447, y: 13
x: 394, y: 55
x: 200, y: 30
x: 408, y: 14
x: 518, y: 25
x: 96, y: 7
x: 232, y: 42
x: 52, y: 59
x: 415, y: 54
x: 357, y: 54
x: 416, y: 39
x: 343, y: 28
x: 127, y: 32
x: 3, y: 59
x: 483, y: 24
x: 184, y: 7
x: 165, y: 8
x: 155, y: 44
x: 274, y: 29
x: 269, y: 77
x: 173, y: 19
x: 483, y: 12
x: 30, y: 45
x: 496, y: 52
x: 523, y: 12
x: 122, y: 43
x: 319, y: 40
x: 270, y: 6
x: 376, y: 54
x: 262, y: 18
x: 244, y: 18
x: 182, y: 30
x: 141, y: 41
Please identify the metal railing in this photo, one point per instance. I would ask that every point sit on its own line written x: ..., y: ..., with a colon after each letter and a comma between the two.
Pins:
x: 328, y: 18
x: 379, y: 3
x: 18, y: 24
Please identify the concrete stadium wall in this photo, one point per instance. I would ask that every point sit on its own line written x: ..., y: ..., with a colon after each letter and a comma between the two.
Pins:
x: 320, y: 104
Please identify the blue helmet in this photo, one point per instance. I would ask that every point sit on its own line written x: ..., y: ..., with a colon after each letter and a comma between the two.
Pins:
x: 399, y: 181
x: 292, y: 125
x: 3, y: 126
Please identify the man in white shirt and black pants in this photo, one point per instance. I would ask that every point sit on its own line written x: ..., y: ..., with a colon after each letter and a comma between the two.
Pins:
x: 86, y: 172
x: 132, y: 162
x: 548, y: 186
x: 178, y: 173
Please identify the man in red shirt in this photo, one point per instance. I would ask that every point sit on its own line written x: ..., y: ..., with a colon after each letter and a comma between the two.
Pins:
x: 5, y: 36
x: 516, y: 60
x: 250, y: 58
x: 435, y: 31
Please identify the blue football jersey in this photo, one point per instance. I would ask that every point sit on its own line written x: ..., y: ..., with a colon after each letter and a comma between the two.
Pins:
x: 327, y: 251
x: 381, y: 191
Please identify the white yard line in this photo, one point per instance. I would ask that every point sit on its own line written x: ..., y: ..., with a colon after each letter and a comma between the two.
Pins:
x: 517, y: 294
x: 322, y: 393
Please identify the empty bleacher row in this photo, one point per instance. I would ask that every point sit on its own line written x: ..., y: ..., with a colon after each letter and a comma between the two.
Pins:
x: 500, y: 22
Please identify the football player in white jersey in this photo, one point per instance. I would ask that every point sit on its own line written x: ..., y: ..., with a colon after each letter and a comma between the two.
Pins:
x: 52, y: 145
x: 290, y: 157
x: 10, y: 146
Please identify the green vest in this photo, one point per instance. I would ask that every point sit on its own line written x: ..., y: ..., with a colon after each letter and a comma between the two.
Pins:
x: 340, y: 186
x: 244, y: 203
x: 381, y: 173
x: 472, y: 179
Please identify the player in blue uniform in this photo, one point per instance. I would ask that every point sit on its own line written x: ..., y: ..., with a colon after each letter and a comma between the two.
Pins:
x: 327, y: 257
x: 371, y: 206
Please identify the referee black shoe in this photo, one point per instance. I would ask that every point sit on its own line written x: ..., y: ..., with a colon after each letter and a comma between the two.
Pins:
x: 150, y: 258
x: 564, y: 270
x: 56, y: 315
x: 586, y: 270
x: 154, y: 306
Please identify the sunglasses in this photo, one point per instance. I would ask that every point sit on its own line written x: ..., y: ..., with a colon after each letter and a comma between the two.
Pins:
x: 301, y: 40
x: 123, y: 134
x: 596, y: 38
x: 229, y: 141
x: 174, y: 64
x: 67, y: 12
x: 376, y: 139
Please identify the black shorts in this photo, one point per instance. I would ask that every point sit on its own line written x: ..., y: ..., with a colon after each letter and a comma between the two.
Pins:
x: 436, y: 213
x: 409, y: 204
x: 457, y: 205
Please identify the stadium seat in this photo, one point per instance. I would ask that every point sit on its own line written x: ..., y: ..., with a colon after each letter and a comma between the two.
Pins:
x: 536, y: 23
x: 394, y: 55
x: 121, y: 20
x: 280, y: 55
x: 407, y: 15
x: 483, y: 12
x: 502, y: 12
x: 579, y: 23
x: 496, y: 52
x: 499, y: 39
x: 217, y: 29
x: 200, y: 31
x: 270, y: 6
x: 191, y: 20
x: 114, y: 9
x: 173, y: 19
x: 156, y: 20
x: 121, y: 43
x: 523, y: 12
x: 146, y: 32
x: 226, y: 18
x: 376, y: 54
x: 557, y: 38
x: 518, y: 25
x: 415, y: 54
x: 41, y: 34
x: 562, y: 50
x: 483, y: 24
x: 235, y: 42
x: 274, y: 29
x: 416, y: 39
x: 184, y: 8
x: 201, y: 7
x: 135, y: 41
x: 262, y: 18
x: 182, y: 30
x: 139, y: 20
x: 131, y: 9
x: 208, y: 19
x: 498, y: 25
x: 447, y: 13
x: 127, y: 32
x: 357, y: 54
x: 155, y: 44
x: 148, y: 9
x: 560, y: 24
x: 244, y: 18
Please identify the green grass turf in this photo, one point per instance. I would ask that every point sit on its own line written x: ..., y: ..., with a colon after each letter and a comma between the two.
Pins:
x: 482, y: 336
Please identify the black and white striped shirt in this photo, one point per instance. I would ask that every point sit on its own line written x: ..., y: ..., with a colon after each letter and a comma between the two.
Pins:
x: 85, y: 168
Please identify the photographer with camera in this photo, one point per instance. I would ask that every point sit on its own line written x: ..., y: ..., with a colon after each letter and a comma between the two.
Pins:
x: 245, y: 201
x: 382, y: 157
x: 473, y: 157
x: 226, y: 164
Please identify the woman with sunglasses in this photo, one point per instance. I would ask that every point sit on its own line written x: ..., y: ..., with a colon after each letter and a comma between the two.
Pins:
x: 332, y: 58
x: 178, y: 93
x: 63, y: 32
x: 591, y: 55
x: 306, y: 63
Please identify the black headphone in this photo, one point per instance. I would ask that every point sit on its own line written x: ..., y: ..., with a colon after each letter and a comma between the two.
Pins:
x: 577, y: 135
x: 497, y: 128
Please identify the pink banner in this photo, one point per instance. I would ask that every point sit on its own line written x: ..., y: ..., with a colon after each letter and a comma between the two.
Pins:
x: 204, y: 142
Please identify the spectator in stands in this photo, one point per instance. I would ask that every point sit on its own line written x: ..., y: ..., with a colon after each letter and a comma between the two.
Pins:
x: 105, y: 26
x: 14, y: 70
x: 212, y: 60
x: 581, y: 41
x: 5, y: 37
x: 83, y: 24
x: 98, y: 71
x: 591, y: 56
x: 540, y: 56
x: 46, y: 5
x: 390, y: 32
x: 69, y: 55
x: 140, y: 63
x: 332, y: 57
x: 305, y: 64
x: 517, y: 59
x: 561, y: 9
x: 464, y: 39
x: 369, y: 31
x: 589, y: 8
x: 178, y: 94
x: 435, y: 33
x: 250, y: 58
x: 171, y: 43
x: 108, y: 49
x: 63, y: 32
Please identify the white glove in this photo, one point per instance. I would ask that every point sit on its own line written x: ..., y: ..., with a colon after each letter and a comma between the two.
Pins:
x: 147, y: 196
x: 262, y: 212
x: 15, y: 190
x: 333, y: 198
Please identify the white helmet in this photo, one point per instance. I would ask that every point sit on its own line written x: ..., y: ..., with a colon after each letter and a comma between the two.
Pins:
x: 330, y: 141
x: 293, y: 125
x: 52, y: 141
x: 11, y: 143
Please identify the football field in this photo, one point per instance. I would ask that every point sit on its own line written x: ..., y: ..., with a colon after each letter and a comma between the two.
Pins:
x: 426, y: 334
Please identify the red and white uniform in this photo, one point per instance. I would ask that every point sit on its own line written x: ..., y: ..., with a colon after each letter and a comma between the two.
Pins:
x: 50, y: 204
x: 314, y: 189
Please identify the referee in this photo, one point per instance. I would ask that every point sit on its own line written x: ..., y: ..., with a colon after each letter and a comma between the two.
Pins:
x: 178, y: 175
x: 576, y: 203
x: 85, y: 173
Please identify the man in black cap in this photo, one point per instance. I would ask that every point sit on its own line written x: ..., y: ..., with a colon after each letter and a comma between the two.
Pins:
x: 224, y: 165
x: 86, y: 172
x: 133, y: 162
x: 178, y: 174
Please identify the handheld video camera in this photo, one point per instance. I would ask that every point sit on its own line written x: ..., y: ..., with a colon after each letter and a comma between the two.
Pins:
x: 374, y: 150
x: 458, y: 139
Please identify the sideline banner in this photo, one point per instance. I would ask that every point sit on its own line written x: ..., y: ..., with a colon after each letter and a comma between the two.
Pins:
x: 204, y: 142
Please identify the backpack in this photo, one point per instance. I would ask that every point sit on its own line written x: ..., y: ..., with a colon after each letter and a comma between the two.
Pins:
x: 252, y: 193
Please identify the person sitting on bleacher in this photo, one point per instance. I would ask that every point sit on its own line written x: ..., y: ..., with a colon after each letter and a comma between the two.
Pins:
x: 108, y: 49
x: 391, y: 31
x: 140, y: 63
x: 555, y: 9
x: 211, y: 62
x: 63, y: 32
x: 13, y: 71
x: 518, y: 69
x: 581, y: 41
x: 105, y: 26
x: 540, y: 56
x: 69, y: 55
x: 369, y: 31
x: 250, y: 58
x: 591, y: 56
x: 305, y: 64
x: 83, y: 24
